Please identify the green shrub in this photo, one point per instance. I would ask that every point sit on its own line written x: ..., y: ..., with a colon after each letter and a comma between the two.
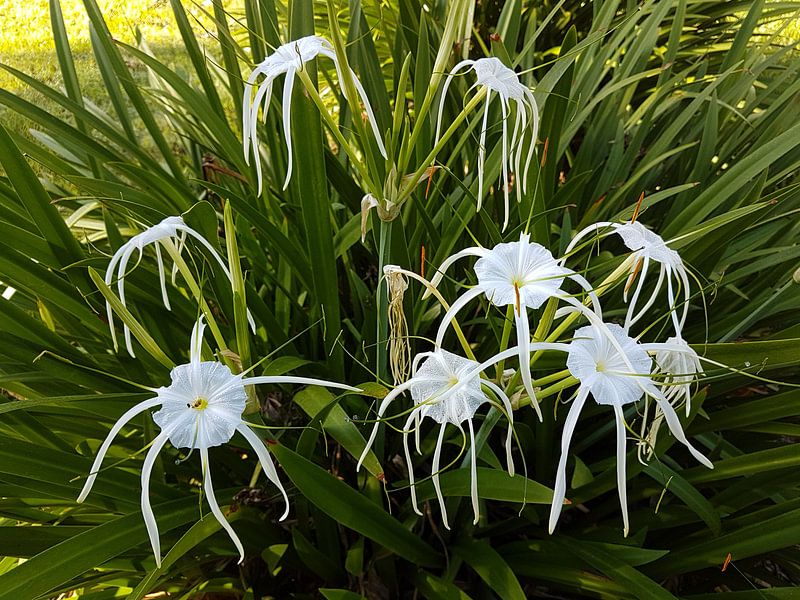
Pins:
x: 681, y: 113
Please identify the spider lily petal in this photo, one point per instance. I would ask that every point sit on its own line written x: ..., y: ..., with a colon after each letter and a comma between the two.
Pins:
x: 450, y: 260
x: 287, y: 123
x: 301, y: 381
x: 287, y: 60
x: 509, y: 415
x: 390, y: 397
x: 473, y: 473
x: 406, y: 429
x: 101, y: 453
x: 201, y: 408
x: 208, y: 488
x: 266, y: 463
x: 171, y: 228
x: 437, y: 453
x: 560, y: 488
x: 147, y: 509
x: 494, y: 76
x: 621, y: 460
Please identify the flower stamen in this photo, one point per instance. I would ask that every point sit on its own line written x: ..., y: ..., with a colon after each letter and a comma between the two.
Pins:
x: 637, y: 207
x: 199, y: 403
x: 633, y: 275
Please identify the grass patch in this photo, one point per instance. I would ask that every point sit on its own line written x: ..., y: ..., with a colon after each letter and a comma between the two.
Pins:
x: 27, y: 45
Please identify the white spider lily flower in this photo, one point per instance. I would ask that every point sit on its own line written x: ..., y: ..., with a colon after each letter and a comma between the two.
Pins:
x: 615, y: 370
x: 680, y: 366
x: 446, y: 388
x: 646, y: 246
x: 522, y: 274
x: 171, y: 228
x: 289, y: 59
x: 200, y: 409
x: 495, y: 77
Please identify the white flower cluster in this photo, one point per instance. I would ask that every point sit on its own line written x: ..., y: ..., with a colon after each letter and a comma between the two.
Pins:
x: 610, y: 365
x: 203, y: 405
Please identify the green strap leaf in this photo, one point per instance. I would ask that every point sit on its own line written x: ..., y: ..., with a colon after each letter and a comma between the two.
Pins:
x: 314, y: 401
x: 343, y: 504
x: 491, y: 567
x: 614, y: 568
x: 37, y: 201
x: 138, y: 331
x: 80, y: 553
x: 493, y: 484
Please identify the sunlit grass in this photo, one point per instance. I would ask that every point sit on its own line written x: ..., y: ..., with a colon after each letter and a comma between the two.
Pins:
x: 27, y: 44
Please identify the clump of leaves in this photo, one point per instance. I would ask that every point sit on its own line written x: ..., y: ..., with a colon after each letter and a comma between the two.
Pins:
x: 692, y: 105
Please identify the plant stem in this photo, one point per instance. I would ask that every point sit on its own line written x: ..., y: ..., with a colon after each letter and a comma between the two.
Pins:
x: 407, y: 189
x: 504, y: 341
x: 384, y: 258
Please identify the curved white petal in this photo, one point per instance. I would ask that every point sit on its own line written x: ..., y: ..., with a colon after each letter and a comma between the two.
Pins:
x: 681, y: 273
x: 101, y: 452
x: 147, y: 509
x: 674, y: 424
x: 123, y: 264
x: 412, y: 417
x: 263, y: 95
x: 247, y: 102
x: 524, y: 345
x: 473, y: 471
x: 287, y: 123
x: 593, y: 228
x: 196, y: 341
x: 448, y: 262
x: 581, y: 281
x: 373, y: 122
x: 621, y: 478
x: 517, y: 146
x: 458, y: 67
x: 534, y: 130
x: 299, y: 380
x: 451, y: 313
x: 651, y: 300
x: 504, y: 161
x: 560, y: 488
x: 162, y: 277
x: 180, y: 246
x: 629, y: 320
x: 482, y: 148
x: 435, y: 475
x: 109, y: 278
x: 673, y: 308
x: 208, y: 487
x: 510, y: 413
x: 266, y: 463
x: 390, y: 397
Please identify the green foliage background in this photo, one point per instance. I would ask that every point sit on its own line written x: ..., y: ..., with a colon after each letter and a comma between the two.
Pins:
x: 695, y: 103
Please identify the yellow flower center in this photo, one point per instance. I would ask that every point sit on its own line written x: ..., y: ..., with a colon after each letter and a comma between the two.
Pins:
x: 198, y: 404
